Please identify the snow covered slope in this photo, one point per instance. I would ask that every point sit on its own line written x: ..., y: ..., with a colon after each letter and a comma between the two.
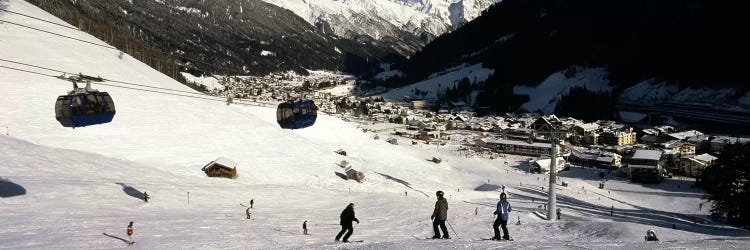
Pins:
x: 78, y: 188
x: 547, y: 94
x: 439, y: 82
x: 652, y: 92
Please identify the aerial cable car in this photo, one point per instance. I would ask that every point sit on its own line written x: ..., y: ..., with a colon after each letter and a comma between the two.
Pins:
x: 84, y: 106
x: 296, y: 114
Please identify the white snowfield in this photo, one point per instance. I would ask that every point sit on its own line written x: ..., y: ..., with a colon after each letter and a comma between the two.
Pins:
x: 389, y: 16
x: 438, y: 83
x: 65, y: 188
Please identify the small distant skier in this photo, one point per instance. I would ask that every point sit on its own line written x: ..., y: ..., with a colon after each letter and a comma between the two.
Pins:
x: 347, y: 216
x: 304, y: 228
x: 247, y: 213
x: 651, y: 235
x: 558, y: 213
x: 145, y: 196
x: 130, y: 233
x: 439, y: 215
x: 476, y: 211
x: 503, y: 208
x: 612, y: 210
x: 251, y: 202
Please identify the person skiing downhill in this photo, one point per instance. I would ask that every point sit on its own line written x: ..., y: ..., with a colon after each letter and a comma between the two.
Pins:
x: 247, y: 213
x: 503, y: 208
x: 145, y: 196
x: 347, y: 216
x: 439, y: 215
x: 304, y: 227
x: 130, y: 233
x: 251, y: 202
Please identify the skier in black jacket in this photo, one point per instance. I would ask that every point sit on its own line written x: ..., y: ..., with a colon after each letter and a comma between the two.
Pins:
x: 347, y: 216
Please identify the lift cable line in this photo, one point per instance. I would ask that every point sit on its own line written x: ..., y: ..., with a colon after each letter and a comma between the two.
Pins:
x: 105, y: 79
x: 205, y: 97
x: 198, y: 94
x: 215, y: 66
x: 57, y: 34
x: 46, y: 21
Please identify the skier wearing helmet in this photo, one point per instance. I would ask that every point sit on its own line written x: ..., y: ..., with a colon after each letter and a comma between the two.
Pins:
x: 439, y: 216
x: 503, y: 208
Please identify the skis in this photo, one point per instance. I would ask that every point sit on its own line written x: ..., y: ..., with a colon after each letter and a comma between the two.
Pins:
x: 353, y: 241
x: 511, y: 239
x: 430, y: 238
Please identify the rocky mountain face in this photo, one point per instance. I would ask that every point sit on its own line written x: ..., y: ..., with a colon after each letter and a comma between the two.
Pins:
x: 220, y: 36
x: 405, y: 25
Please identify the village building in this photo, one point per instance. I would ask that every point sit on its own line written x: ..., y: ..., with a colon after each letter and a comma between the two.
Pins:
x: 543, y: 165
x: 646, y: 166
x: 596, y: 158
x: 515, y: 147
x: 221, y: 167
x: 694, y: 165
x: 618, y: 138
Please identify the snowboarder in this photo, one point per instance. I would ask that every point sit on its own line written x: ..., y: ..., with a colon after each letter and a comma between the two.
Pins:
x: 651, y: 235
x: 347, y: 216
x: 145, y: 196
x: 247, y: 213
x: 503, y: 208
x: 251, y: 203
x: 304, y: 228
x: 558, y: 213
x: 130, y: 233
x: 439, y: 215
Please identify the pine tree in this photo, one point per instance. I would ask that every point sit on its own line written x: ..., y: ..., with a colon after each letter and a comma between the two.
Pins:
x: 727, y: 183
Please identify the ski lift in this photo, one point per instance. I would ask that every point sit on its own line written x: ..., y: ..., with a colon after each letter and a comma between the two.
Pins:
x: 296, y: 114
x: 84, y: 106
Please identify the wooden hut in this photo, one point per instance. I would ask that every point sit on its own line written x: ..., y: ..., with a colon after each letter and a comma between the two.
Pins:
x: 221, y: 167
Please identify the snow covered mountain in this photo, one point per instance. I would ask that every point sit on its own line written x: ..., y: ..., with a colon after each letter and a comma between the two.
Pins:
x: 234, y: 37
x: 409, y: 23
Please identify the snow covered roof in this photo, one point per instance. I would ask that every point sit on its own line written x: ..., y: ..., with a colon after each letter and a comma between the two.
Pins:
x: 647, y: 154
x: 544, y: 163
x: 518, y: 143
x: 705, y: 158
x: 685, y: 134
x: 226, y: 162
x: 588, y: 126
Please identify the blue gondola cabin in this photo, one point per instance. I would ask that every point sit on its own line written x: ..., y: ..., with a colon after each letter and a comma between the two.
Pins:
x: 296, y: 114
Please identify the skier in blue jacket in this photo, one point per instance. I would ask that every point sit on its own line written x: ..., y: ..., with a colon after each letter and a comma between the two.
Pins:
x: 503, y: 208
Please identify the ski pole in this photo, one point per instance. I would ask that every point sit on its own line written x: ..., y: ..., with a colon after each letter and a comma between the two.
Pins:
x: 454, y: 231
